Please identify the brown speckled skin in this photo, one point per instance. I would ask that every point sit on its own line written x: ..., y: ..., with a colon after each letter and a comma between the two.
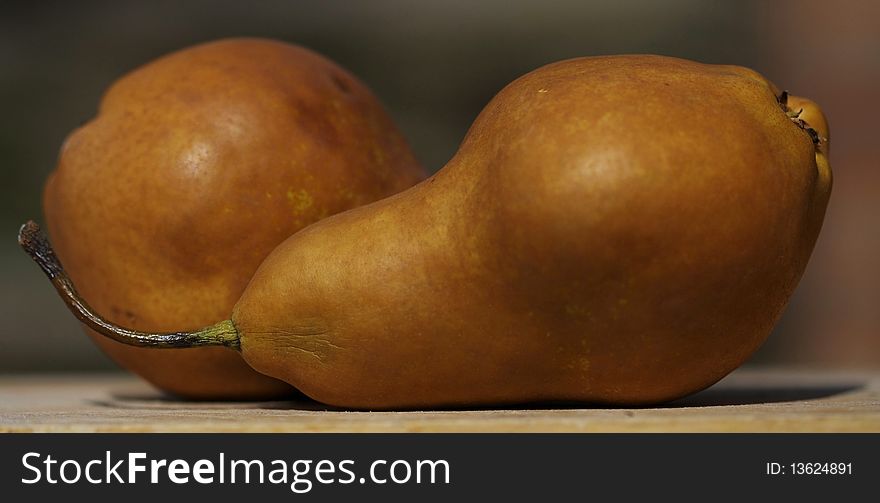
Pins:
x: 621, y: 230
x: 195, y: 168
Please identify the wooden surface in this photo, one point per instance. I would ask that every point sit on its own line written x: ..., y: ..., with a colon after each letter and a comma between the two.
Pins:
x: 747, y: 401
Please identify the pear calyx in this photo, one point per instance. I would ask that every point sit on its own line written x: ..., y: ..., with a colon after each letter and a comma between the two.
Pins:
x: 795, y: 117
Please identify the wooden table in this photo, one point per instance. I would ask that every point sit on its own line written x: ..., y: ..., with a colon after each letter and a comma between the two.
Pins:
x: 749, y: 400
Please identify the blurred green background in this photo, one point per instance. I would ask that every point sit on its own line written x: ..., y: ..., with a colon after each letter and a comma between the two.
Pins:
x: 435, y: 64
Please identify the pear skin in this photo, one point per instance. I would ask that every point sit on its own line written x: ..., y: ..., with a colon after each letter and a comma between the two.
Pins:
x: 619, y: 230
x: 196, y: 166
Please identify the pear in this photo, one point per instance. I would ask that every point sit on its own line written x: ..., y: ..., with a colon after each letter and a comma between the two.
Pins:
x: 197, y: 165
x: 620, y: 230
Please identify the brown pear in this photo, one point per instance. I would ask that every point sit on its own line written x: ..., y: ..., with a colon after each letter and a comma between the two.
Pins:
x: 196, y: 166
x: 618, y: 230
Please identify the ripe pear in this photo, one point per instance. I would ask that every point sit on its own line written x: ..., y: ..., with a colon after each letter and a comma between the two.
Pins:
x: 620, y: 230
x: 197, y: 165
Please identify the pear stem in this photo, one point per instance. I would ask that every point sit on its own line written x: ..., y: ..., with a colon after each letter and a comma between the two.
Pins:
x: 37, y: 245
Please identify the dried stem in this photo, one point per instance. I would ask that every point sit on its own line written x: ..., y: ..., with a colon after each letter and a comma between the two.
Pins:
x: 35, y: 243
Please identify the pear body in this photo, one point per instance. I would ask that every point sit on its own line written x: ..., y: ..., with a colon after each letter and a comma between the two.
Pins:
x: 196, y: 166
x: 620, y: 230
